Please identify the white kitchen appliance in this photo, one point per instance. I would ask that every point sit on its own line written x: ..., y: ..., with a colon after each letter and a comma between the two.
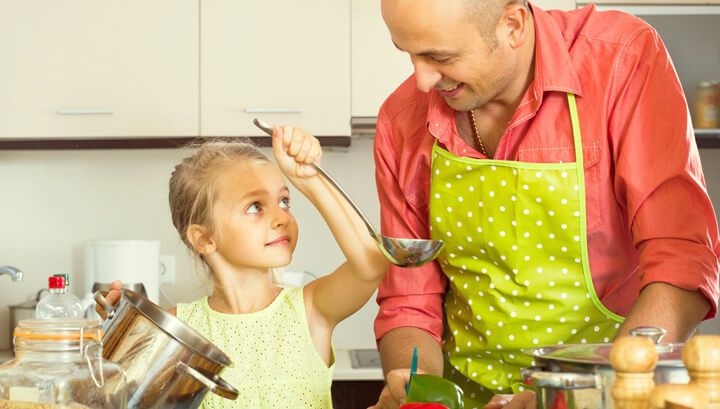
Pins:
x: 135, y: 262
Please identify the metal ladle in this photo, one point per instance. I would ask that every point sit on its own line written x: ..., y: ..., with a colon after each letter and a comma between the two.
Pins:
x: 401, y: 252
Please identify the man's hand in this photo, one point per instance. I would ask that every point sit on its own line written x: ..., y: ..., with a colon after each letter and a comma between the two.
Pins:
x: 523, y: 400
x: 393, y: 394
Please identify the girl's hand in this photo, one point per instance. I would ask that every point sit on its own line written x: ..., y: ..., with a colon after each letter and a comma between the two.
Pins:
x: 294, y: 150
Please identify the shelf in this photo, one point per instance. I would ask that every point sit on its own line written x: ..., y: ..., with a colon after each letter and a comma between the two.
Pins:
x: 708, y: 138
x: 139, y: 143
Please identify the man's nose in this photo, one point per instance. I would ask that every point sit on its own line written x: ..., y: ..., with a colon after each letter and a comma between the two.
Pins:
x: 425, y: 75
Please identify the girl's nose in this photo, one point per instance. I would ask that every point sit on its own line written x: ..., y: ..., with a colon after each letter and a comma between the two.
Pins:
x: 425, y: 75
x: 281, y: 217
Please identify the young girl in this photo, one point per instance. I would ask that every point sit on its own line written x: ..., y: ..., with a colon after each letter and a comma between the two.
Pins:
x: 231, y: 206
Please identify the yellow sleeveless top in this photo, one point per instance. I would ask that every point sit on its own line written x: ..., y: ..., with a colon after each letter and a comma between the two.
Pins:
x: 275, y: 363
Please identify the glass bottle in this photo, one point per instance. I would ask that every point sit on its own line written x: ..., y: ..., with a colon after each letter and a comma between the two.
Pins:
x: 59, y: 364
x: 59, y: 303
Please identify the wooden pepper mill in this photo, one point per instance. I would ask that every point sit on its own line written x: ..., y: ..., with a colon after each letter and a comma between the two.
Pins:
x: 678, y: 396
x: 634, y: 360
x: 701, y: 356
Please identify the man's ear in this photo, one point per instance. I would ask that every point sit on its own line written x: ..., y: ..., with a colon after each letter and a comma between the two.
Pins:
x: 201, y: 239
x: 515, y: 22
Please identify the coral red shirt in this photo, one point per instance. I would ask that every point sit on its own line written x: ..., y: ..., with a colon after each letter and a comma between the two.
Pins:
x: 648, y: 213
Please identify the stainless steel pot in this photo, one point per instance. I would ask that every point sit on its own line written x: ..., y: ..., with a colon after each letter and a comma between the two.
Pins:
x: 579, y: 376
x: 167, y: 364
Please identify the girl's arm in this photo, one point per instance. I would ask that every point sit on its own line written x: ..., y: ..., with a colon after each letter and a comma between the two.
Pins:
x: 335, y: 296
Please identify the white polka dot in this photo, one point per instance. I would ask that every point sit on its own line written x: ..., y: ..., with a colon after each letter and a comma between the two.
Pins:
x: 563, y: 249
x: 491, y: 244
x: 563, y: 296
x: 460, y: 198
x: 491, y: 308
x: 471, y: 188
x: 500, y: 324
x: 551, y: 235
x: 513, y: 314
x: 526, y: 303
x: 491, y: 219
x: 564, y: 270
x: 525, y: 187
x: 448, y: 185
x: 606, y: 339
x: 526, y: 258
x: 514, y: 247
x: 539, y: 200
x: 551, y: 213
x: 479, y: 229
x: 524, y: 327
x: 513, y: 198
x: 437, y: 171
x: 449, y: 209
x: 587, y: 319
x: 488, y: 332
x: 577, y: 283
x: 480, y: 204
x: 514, y: 292
x: 492, y: 285
x: 576, y: 307
x: 526, y: 282
x: 596, y: 329
x: 449, y: 234
x: 577, y: 214
x: 535, y: 341
x: 493, y: 167
x: 562, y: 320
x: 482, y: 178
x: 437, y: 195
x: 537, y: 318
x: 538, y: 174
x: 551, y: 283
x: 502, y: 233
x: 474, y: 374
x: 539, y: 222
x: 563, y: 226
x: 552, y: 258
x: 564, y: 201
x: 539, y: 246
x: 458, y: 224
x: 563, y: 174
x: 551, y: 188
x: 502, y: 208
x: 503, y: 183
x: 491, y: 193
x: 459, y: 176
x: 526, y: 234
x: 548, y: 330
x: 447, y: 163
x: 469, y: 239
x: 539, y: 296
x: 526, y: 211
x: 583, y: 341
x: 573, y: 331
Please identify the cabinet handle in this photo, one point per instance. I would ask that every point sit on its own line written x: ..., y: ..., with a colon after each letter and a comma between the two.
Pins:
x: 83, y: 112
x: 273, y: 110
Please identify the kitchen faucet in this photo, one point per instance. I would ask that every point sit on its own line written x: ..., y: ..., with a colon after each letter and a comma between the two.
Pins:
x: 13, y: 272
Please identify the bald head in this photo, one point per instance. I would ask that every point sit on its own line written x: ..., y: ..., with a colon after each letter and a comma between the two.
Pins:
x: 485, y: 14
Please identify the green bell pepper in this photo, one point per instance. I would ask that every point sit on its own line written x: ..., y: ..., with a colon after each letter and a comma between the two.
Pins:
x: 434, y: 389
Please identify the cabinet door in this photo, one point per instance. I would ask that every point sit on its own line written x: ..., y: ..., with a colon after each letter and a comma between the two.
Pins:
x: 283, y: 61
x: 555, y: 4
x: 377, y: 66
x: 85, y: 68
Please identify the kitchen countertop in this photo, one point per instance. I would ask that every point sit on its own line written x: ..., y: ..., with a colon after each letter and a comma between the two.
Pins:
x: 345, y: 372
x: 343, y: 367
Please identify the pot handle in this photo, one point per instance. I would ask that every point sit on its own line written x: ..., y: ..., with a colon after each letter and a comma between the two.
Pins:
x: 107, y: 311
x: 561, y: 380
x: 216, y: 385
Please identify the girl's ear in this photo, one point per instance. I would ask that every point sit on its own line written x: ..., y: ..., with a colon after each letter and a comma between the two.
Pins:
x: 201, y: 239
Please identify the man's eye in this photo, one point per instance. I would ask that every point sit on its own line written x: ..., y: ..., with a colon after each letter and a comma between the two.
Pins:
x: 253, y: 208
x: 285, y: 203
x: 443, y: 60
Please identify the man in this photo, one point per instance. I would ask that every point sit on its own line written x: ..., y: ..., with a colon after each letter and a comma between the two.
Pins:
x: 553, y: 153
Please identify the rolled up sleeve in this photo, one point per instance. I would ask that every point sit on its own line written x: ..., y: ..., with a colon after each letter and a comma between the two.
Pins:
x: 659, y: 177
x: 408, y: 297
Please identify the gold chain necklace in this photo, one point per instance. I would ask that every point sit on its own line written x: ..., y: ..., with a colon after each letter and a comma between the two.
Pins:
x: 476, y: 134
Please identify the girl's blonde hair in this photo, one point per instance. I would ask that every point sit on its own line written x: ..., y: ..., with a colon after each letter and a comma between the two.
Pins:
x: 193, y: 185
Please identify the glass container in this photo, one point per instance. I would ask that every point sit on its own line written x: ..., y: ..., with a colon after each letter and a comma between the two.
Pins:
x: 59, y: 364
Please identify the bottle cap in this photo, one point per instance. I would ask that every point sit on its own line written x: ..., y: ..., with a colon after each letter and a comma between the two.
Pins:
x: 56, y: 282
x: 66, y: 276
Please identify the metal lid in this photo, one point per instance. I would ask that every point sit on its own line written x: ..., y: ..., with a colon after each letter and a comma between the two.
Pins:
x: 669, y: 355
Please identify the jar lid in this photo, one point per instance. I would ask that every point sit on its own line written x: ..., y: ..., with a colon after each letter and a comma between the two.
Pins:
x: 669, y: 355
x: 75, y: 329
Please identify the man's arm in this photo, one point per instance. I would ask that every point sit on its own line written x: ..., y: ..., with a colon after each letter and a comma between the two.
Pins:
x: 396, y: 349
x: 665, y: 306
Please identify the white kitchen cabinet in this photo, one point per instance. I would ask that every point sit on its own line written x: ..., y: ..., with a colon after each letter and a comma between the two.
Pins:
x: 555, y: 4
x: 85, y: 68
x: 283, y: 61
x: 377, y: 66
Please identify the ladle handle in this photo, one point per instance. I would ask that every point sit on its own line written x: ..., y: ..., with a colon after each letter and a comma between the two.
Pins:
x: 268, y: 130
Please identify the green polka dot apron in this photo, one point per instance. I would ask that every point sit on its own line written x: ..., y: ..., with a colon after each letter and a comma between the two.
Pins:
x: 517, y: 265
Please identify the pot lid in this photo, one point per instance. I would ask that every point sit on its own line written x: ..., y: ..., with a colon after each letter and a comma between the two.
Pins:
x: 669, y: 355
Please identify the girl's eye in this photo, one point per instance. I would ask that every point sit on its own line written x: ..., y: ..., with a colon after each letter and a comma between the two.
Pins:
x: 285, y: 203
x: 253, y: 209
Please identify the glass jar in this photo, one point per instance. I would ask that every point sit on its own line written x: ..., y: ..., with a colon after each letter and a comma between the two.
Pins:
x: 59, y: 364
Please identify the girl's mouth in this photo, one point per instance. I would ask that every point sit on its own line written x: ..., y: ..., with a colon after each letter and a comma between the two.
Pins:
x: 280, y: 241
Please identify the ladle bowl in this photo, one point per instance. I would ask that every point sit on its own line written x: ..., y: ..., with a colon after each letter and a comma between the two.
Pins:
x: 401, y: 252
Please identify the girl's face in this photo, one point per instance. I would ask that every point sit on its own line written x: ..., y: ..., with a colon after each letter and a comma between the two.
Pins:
x: 253, y: 224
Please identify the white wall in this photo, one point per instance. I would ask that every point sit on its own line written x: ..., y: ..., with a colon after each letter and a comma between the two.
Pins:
x: 51, y: 202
